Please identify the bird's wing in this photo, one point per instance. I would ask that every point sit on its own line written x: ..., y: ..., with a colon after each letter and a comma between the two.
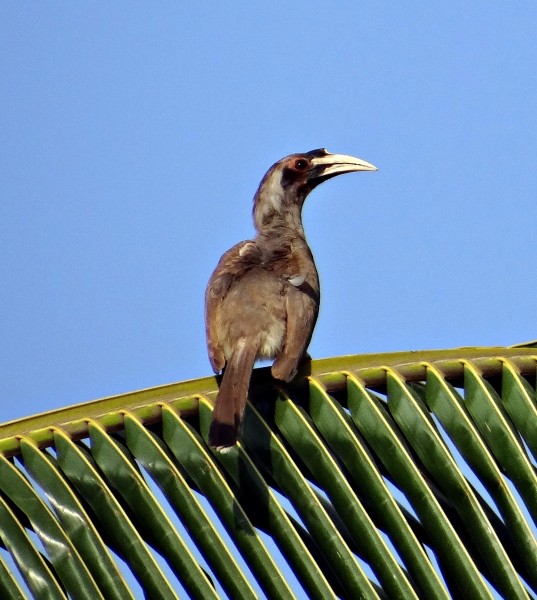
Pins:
x: 233, y: 264
x: 302, y: 306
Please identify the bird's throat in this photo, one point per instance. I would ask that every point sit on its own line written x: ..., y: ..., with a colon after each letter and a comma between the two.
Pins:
x: 271, y: 222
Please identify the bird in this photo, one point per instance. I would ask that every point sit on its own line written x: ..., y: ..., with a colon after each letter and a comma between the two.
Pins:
x: 262, y: 299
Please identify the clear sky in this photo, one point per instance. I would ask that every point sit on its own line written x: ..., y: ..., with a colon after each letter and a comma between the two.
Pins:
x: 134, y: 135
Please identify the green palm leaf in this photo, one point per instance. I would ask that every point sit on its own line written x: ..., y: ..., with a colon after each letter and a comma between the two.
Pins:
x: 404, y: 475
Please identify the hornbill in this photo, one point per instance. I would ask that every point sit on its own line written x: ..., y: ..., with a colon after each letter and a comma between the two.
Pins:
x: 262, y: 299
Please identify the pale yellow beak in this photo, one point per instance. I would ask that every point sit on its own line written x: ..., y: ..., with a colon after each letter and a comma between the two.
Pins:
x: 333, y: 164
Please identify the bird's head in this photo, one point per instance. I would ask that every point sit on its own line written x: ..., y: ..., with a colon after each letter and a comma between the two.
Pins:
x: 287, y: 183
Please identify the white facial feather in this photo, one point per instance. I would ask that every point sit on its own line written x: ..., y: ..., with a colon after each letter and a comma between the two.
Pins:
x: 272, y: 193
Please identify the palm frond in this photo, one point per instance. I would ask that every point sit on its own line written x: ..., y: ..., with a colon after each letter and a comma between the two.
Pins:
x: 403, y: 475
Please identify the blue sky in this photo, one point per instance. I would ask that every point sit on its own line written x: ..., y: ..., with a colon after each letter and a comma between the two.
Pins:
x: 134, y: 136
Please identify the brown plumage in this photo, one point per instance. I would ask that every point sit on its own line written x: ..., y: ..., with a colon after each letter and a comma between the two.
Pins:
x: 262, y: 299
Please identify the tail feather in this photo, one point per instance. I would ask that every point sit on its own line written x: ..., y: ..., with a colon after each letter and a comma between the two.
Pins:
x: 231, y: 400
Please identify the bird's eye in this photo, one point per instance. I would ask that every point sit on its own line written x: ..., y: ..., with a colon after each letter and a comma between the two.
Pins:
x: 301, y: 164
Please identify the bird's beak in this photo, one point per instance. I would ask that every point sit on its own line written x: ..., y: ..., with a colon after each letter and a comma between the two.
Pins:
x: 327, y: 166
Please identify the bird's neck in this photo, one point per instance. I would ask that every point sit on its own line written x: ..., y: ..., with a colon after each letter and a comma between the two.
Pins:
x: 280, y: 223
x: 276, y: 212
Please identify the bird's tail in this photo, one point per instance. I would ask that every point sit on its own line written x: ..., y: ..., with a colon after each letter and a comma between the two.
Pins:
x: 231, y: 400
